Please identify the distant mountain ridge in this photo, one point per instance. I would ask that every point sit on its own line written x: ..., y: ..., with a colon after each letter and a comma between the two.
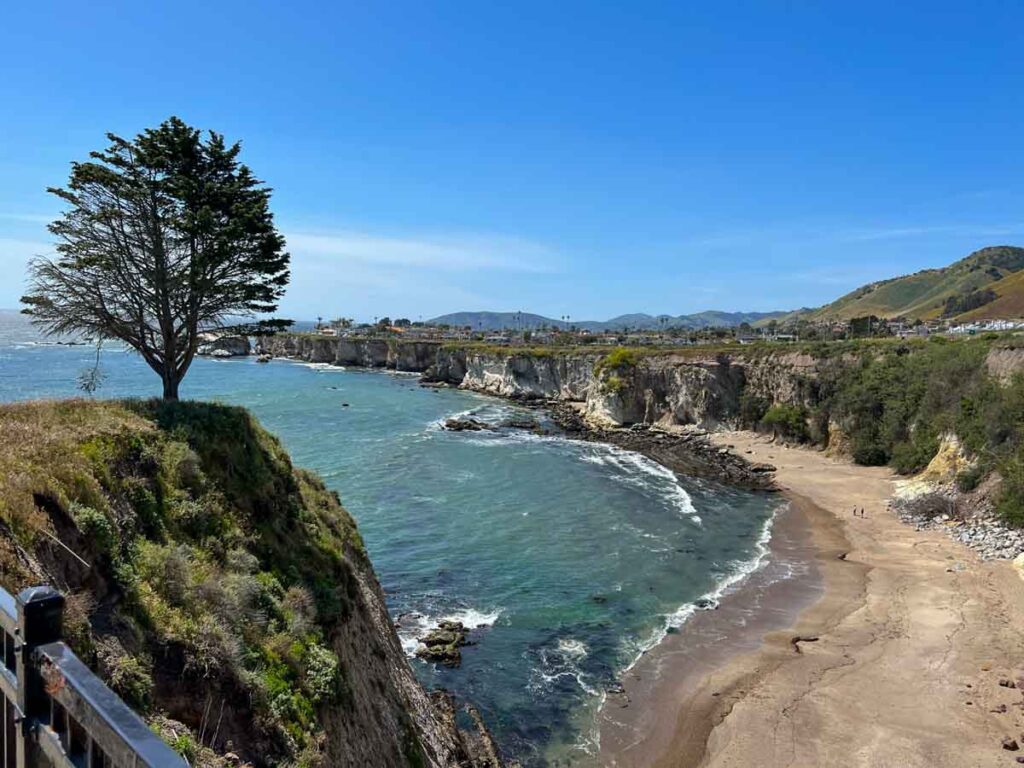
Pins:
x: 496, y: 321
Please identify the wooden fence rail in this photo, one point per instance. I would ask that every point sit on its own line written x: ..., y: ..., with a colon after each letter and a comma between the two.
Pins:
x: 55, y: 711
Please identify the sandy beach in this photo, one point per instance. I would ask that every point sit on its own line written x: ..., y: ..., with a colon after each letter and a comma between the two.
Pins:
x: 906, y: 636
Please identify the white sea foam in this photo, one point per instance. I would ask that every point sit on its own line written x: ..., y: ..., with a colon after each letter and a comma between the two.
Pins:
x: 711, y: 599
x: 573, y: 648
x: 412, y: 626
x: 562, y: 661
x: 638, y: 471
x: 323, y: 367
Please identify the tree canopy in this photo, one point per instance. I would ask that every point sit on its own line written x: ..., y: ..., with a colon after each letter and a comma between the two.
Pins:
x: 165, y: 237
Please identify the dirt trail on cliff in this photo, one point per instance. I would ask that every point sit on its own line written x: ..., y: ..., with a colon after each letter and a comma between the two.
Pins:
x: 905, y: 670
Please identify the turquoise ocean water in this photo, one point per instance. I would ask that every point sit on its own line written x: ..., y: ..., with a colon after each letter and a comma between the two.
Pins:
x: 569, y: 558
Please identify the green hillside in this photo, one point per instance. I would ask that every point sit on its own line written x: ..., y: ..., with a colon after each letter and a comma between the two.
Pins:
x: 925, y: 294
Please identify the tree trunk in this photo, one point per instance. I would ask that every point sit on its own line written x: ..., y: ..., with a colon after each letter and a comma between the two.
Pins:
x: 170, y: 387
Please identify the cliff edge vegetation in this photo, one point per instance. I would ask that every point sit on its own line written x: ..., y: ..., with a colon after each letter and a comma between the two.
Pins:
x: 222, y: 592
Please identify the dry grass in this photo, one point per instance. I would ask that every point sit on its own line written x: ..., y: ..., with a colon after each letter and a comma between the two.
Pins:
x: 183, y: 526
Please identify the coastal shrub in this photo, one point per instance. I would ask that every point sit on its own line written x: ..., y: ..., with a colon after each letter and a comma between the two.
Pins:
x: 752, y: 409
x: 894, y: 401
x: 867, y: 450
x: 321, y: 673
x: 913, y: 455
x: 970, y: 478
x: 613, y: 367
x: 95, y: 526
x: 1010, y: 505
x: 789, y: 421
x: 621, y: 357
x: 185, y: 745
x: 613, y: 384
x: 131, y: 677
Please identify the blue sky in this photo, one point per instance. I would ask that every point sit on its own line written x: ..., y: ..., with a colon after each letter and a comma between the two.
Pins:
x: 565, y: 158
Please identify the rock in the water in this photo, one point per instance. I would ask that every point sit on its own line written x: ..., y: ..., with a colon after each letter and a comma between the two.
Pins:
x: 443, y: 644
x: 465, y: 425
x: 527, y: 424
x: 1010, y: 744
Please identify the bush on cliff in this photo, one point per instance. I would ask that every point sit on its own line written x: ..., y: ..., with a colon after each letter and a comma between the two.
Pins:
x: 752, y: 409
x: 612, y: 369
x: 218, y: 571
x: 619, y: 359
x: 895, y: 401
x: 788, y: 421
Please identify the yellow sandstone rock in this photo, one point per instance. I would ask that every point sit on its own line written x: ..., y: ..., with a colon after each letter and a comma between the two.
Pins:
x: 1018, y: 563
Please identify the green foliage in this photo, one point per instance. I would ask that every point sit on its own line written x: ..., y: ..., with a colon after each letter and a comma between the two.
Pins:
x: 970, y: 478
x: 203, y: 246
x: 909, y: 456
x: 1010, y: 506
x: 185, y: 745
x: 95, y: 526
x: 131, y: 677
x: 321, y: 673
x: 896, y: 400
x: 752, y: 409
x: 960, y: 303
x: 612, y: 369
x: 789, y: 421
x: 620, y: 359
x: 613, y: 384
x: 234, y: 568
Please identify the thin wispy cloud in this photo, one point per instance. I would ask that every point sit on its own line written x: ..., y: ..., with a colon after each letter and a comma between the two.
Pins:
x: 366, y: 274
x: 798, y: 236
x: 27, y: 218
x: 961, y: 230
x: 438, y: 253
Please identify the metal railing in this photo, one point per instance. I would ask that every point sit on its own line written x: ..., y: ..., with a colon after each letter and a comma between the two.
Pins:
x: 55, y: 711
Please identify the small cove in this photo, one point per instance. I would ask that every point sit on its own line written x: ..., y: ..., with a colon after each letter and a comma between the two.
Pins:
x: 569, y: 559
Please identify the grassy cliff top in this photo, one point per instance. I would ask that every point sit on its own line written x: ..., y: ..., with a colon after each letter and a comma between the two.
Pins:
x: 820, y: 349
x: 200, y: 565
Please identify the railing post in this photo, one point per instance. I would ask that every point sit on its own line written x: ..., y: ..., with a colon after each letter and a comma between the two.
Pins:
x: 40, y: 621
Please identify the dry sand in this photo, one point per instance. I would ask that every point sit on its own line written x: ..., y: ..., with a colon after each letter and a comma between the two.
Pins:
x: 914, y: 633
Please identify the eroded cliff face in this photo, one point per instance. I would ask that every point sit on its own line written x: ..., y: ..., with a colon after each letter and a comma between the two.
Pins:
x: 658, y: 389
x: 414, y: 356
x: 517, y: 375
x: 668, y: 389
x: 1004, y: 364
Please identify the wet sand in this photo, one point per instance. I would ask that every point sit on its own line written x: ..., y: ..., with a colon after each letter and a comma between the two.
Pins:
x: 913, y: 633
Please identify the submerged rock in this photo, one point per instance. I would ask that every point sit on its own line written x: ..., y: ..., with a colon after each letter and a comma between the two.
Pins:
x: 527, y: 424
